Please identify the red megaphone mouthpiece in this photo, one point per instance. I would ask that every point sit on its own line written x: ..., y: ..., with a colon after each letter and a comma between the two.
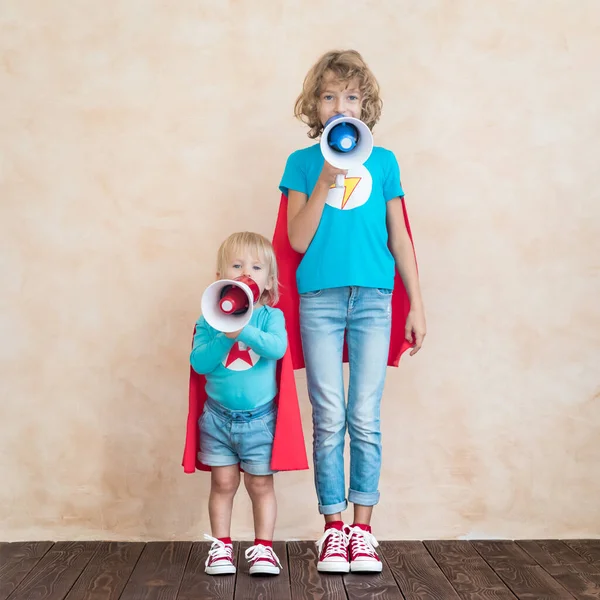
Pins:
x: 233, y: 301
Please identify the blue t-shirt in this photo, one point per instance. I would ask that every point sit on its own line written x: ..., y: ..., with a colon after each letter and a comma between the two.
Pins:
x: 350, y: 246
x: 241, y: 373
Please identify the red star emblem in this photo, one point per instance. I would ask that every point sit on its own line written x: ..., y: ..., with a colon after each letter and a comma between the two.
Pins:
x: 236, y: 352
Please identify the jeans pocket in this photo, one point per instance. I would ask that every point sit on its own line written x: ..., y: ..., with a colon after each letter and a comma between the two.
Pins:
x: 314, y: 294
x: 384, y: 291
x: 268, y: 423
x: 202, y: 419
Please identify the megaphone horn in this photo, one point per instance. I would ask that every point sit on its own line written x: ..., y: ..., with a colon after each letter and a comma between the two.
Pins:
x: 346, y: 143
x: 227, y: 304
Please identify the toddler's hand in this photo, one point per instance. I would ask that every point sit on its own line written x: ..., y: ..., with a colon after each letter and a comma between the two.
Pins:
x: 328, y: 174
x: 233, y: 334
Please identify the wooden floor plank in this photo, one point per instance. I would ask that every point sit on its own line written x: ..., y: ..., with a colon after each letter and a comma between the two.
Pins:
x: 365, y: 586
x: 503, y: 554
x: 527, y: 579
x: 469, y: 574
x: 306, y: 583
x: 17, y: 559
x: 415, y: 571
x: 551, y: 552
x: 197, y: 584
x: 583, y: 583
x: 108, y: 571
x: 56, y: 572
x: 566, y: 566
x: 158, y: 572
x: 589, y: 549
x: 262, y: 587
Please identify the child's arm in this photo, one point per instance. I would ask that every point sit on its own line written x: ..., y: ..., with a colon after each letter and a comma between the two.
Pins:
x: 208, y: 349
x: 404, y: 256
x: 304, y: 216
x: 270, y: 343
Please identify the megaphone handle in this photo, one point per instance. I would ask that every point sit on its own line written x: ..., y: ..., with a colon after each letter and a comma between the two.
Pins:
x: 339, y: 181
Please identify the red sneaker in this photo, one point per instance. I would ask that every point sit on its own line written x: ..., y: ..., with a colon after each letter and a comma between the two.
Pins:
x: 263, y: 560
x: 361, y: 548
x: 333, y: 551
x: 220, y: 558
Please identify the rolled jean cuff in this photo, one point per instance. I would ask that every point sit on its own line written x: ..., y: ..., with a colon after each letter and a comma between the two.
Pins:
x: 332, y: 509
x: 363, y: 498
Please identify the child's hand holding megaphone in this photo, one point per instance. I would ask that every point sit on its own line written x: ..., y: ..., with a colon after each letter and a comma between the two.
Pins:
x: 329, y: 173
x: 233, y: 334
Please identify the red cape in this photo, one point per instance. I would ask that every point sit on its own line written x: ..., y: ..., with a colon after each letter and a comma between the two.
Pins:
x: 289, y: 301
x: 289, y: 451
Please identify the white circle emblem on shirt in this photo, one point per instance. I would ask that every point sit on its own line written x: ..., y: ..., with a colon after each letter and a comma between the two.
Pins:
x: 356, y: 191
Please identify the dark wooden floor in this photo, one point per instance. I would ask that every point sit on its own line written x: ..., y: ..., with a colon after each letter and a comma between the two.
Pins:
x: 481, y: 570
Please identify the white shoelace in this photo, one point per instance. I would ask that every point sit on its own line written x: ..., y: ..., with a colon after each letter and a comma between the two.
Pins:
x: 218, y: 550
x: 364, y: 540
x: 337, y: 545
x: 258, y: 552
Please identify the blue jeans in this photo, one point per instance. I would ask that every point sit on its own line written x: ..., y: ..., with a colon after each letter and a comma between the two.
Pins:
x: 365, y: 315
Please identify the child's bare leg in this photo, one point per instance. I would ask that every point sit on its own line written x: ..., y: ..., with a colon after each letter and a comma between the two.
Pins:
x: 362, y: 514
x: 264, y: 504
x: 224, y: 483
x: 331, y: 518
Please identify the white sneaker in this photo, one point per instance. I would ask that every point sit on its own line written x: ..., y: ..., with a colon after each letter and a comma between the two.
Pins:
x: 361, y: 548
x: 220, y: 558
x: 333, y: 551
x: 263, y: 560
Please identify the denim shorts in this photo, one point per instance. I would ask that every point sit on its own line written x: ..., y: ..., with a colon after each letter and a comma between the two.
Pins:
x: 231, y: 437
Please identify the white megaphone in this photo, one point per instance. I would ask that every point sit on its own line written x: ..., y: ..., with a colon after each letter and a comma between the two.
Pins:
x: 346, y: 143
x: 227, y: 304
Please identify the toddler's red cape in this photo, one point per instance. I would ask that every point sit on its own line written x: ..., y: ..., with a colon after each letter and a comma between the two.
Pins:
x: 288, y: 260
x: 289, y: 451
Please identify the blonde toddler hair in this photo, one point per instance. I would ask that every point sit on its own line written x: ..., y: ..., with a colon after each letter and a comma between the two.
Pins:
x: 261, y: 247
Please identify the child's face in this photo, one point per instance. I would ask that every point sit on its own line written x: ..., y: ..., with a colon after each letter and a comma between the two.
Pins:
x: 246, y: 263
x: 339, y: 97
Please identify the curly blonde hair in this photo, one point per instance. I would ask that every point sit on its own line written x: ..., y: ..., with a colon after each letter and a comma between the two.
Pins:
x: 345, y: 65
x: 261, y: 247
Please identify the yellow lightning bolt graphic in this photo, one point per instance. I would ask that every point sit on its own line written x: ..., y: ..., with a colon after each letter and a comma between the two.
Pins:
x: 350, y: 184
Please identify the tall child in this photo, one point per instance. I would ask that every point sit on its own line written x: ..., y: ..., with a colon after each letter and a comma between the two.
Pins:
x: 351, y: 245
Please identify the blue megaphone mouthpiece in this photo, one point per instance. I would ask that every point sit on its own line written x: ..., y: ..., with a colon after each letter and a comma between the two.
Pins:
x: 342, y: 137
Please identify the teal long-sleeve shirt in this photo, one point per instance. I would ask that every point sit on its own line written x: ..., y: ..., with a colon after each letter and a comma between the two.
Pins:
x: 240, y: 373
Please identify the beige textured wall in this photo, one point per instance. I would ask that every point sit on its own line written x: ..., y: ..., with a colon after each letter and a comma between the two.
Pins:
x: 136, y: 134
